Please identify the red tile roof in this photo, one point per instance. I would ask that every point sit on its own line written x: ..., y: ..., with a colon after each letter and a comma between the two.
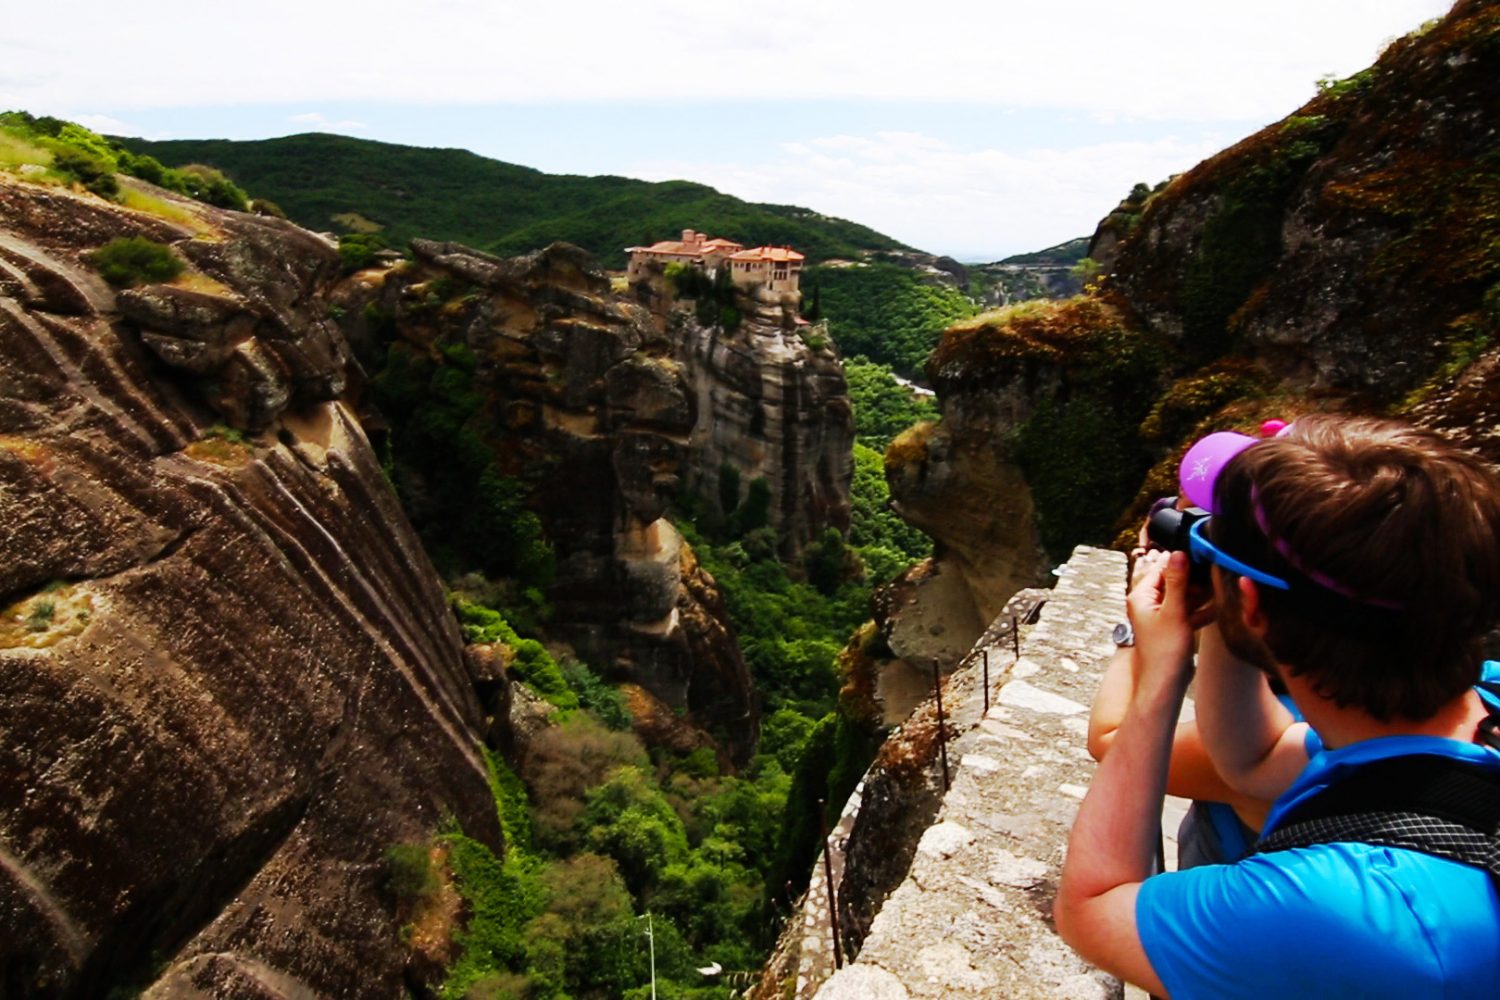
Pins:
x: 679, y: 249
x: 777, y: 254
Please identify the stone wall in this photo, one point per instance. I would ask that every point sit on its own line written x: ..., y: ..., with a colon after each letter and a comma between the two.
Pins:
x: 972, y: 918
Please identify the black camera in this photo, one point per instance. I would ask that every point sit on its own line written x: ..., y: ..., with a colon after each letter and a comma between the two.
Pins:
x: 1168, y: 528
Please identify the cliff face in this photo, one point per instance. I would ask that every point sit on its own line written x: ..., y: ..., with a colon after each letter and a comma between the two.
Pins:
x: 1342, y: 258
x: 584, y: 400
x: 228, y: 678
x: 774, y: 407
x: 1345, y: 246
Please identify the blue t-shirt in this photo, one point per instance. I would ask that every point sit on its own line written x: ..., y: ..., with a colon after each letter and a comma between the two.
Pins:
x: 1331, y: 920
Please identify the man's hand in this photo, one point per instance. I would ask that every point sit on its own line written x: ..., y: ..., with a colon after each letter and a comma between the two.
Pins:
x: 1159, y: 613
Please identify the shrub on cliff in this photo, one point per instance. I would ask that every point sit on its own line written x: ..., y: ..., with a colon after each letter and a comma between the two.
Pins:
x: 208, y: 184
x: 134, y: 260
x: 532, y: 663
x: 359, y: 250
x: 411, y: 875
x: 95, y: 174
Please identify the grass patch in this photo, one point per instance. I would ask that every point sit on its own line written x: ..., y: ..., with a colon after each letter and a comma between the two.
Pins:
x: 127, y: 261
x: 16, y: 152
x: 59, y: 611
x: 142, y: 201
x: 197, y: 281
x: 222, y: 445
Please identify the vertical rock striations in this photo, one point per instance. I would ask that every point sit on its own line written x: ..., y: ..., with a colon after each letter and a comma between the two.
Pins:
x: 774, y: 408
x: 228, y: 678
x: 587, y: 401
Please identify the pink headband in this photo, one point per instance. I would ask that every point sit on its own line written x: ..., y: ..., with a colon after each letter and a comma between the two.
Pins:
x: 1199, y: 473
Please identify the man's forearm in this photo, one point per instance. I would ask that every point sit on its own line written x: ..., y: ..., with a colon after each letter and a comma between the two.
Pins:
x: 1244, y: 726
x: 1115, y: 835
x: 1114, y: 838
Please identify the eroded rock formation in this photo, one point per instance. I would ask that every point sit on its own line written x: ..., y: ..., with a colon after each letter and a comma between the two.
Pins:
x: 228, y: 677
x: 590, y: 402
x: 772, y: 406
x: 1339, y: 259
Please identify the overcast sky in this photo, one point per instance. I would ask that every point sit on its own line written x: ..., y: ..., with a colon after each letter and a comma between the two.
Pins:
x: 976, y: 129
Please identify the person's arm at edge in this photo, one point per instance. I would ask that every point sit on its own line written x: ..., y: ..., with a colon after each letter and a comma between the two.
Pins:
x: 1113, y: 842
x: 1253, y: 741
x: 1191, y: 773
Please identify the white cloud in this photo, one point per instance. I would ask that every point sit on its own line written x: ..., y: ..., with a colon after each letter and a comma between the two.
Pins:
x: 987, y: 202
x: 318, y: 120
x: 1173, y: 58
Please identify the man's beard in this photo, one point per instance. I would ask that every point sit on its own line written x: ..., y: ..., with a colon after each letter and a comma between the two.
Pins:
x: 1243, y: 643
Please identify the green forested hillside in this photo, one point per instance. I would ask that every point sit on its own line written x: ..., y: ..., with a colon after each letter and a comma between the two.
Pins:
x: 507, y: 209
x: 885, y: 313
x: 1069, y: 252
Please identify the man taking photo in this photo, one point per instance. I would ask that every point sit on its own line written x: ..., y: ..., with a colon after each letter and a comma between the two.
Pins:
x: 1356, y: 561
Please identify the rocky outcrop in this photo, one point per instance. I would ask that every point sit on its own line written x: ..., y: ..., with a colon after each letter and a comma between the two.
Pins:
x: 1346, y: 247
x: 1338, y: 259
x: 228, y: 677
x: 772, y: 407
x: 585, y: 399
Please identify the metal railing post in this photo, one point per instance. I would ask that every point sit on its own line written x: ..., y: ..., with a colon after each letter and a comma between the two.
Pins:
x: 833, y: 902
x: 937, y: 686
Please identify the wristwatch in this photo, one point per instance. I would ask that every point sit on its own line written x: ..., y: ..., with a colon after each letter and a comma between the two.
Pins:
x: 1123, y: 635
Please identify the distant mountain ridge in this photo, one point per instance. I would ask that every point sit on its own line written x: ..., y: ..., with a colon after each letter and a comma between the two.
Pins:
x: 453, y: 194
x: 1067, y: 253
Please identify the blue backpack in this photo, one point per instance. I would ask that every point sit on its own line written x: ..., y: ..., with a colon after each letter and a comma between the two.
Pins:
x: 1420, y: 802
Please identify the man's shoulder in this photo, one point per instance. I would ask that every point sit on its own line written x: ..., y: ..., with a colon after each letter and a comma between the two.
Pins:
x: 1366, y: 918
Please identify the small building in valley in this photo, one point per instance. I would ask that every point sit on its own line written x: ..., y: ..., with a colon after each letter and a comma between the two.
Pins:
x: 774, y: 270
x: 693, y: 249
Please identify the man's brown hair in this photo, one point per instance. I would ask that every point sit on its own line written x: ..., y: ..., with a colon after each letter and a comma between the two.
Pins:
x: 1397, y: 526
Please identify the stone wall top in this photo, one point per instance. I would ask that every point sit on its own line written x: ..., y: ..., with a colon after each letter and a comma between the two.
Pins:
x: 973, y: 917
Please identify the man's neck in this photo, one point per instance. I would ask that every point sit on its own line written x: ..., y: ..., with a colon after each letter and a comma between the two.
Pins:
x: 1339, y: 727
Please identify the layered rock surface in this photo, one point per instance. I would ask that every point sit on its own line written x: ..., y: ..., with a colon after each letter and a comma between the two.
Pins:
x: 772, y: 405
x: 228, y: 677
x: 594, y: 406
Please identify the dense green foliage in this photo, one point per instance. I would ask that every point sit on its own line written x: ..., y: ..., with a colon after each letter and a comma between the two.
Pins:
x: 596, y: 837
x: 453, y: 194
x: 882, y: 408
x: 885, y: 312
x: 532, y: 663
x: 472, y: 516
x: 886, y: 544
x: 135, y: 260
x: 93, y: 161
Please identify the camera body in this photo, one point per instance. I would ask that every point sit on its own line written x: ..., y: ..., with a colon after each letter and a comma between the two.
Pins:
x: 1168, y: 528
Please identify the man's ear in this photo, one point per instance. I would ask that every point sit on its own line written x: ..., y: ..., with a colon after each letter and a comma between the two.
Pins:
x: 1251, y: 612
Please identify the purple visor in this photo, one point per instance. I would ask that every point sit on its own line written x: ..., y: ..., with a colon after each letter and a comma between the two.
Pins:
x: 1204, y: 460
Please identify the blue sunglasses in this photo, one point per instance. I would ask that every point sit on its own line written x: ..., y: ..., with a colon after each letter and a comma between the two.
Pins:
x: 1204, y: 551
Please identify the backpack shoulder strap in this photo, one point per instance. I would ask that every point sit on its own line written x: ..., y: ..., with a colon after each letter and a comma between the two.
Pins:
x: 1421, y: 802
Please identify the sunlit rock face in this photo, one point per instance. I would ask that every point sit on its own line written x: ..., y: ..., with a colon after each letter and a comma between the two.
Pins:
x: 1348, y: 246
x: 228, y: 677
x: 593, y: 406
x: 1342, y: 258
x: 772, y: 408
